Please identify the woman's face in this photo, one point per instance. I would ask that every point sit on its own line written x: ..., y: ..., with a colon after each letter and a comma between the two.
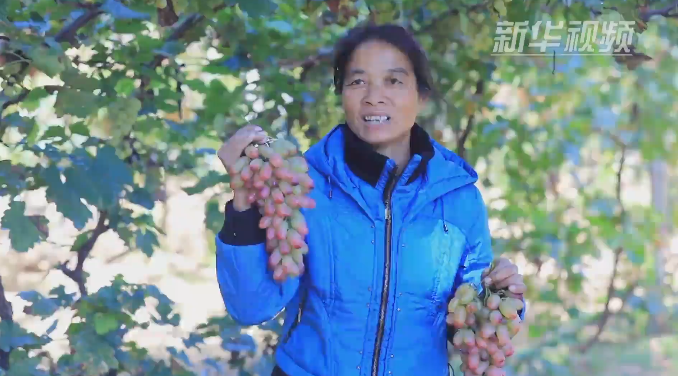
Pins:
x: 380, y: 96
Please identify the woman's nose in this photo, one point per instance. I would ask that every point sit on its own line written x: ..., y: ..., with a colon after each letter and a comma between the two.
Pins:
x: 374, y: 102
x: 374, y: 96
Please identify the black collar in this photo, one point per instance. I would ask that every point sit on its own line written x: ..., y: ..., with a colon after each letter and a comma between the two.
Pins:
x: 367, y: 164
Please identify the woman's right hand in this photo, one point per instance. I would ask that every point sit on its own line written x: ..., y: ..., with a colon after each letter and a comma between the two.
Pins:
x: 230, y: 152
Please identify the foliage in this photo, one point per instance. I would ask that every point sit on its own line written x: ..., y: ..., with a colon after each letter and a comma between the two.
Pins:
x: 122, y: 78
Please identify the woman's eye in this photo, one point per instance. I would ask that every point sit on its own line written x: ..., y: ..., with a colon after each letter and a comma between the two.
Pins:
x: 356, y: 82
x: 395, y: 81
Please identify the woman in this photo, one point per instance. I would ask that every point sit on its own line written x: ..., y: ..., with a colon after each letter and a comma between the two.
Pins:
x: 398, y: 225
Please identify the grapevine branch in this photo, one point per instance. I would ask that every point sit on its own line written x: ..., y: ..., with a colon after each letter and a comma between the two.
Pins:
x: 24, y: 93
x: 6, y: 316
x: 83, y: 252
x: 605, y: 317
x: 167, y: 16
x: 15, y: 100
x: 178, y: 32
x: 326, y: 54
x: 669, y: 11
x: 18, y: 99
x: 180, y: 29
x: 557, y: 336
x: 461, y: 141
x: 67, y: 34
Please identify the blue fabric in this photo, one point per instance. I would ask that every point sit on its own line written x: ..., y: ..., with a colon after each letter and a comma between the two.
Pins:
x: 440, y: 239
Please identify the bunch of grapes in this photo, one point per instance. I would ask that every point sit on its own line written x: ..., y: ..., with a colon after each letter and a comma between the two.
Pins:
x: 124, y: 112
x: 121, y: 116
x: 276, y: 178
x: 484, y: 327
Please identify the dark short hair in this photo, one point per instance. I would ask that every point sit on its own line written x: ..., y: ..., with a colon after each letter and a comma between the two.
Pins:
x: 395, y: 35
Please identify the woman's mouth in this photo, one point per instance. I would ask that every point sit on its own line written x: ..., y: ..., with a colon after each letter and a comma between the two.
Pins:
x: 376, y: 119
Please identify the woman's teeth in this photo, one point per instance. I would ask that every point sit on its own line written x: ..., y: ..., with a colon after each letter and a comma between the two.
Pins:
x: 376, y: 119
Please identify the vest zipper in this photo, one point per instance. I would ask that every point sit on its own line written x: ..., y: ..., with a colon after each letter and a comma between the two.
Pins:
x: 388, y: 192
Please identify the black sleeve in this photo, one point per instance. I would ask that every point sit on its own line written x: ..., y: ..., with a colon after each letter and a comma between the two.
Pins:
x: 451, y: 330
x: 242, y: 228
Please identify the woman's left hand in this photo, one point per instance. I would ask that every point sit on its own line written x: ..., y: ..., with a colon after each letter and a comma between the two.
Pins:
x: 505, y: 275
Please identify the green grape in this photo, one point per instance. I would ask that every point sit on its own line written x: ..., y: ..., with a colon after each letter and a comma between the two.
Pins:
x: 123, y: 114
x: 180, y: 5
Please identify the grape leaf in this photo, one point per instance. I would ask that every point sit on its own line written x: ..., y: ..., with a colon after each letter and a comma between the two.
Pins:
x: 60, y: 297
x: 10, y: 180
x: 146, y: 241
x: 13, y: 336
x: 257, y: 8
x: 104, y: 323
x: 23, y: 233
x: 54, y: 131
x: 46, y: 60
x: 79, y: 128
x: 110, y: 175
x: 77, y: 80
x: 65, y: 197
x: 27, y: 367
x: 75, y: 102
x: 280, y: 26
x: 79, y: 180
x: 32, y: 101
x: 193, y: 340
x: 41, y: 306
x: 93, y: 352
x: 142, y: 197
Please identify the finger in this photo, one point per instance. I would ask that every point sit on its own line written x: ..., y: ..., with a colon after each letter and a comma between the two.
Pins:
x: 260, y: 137
x: 232, y: 149
x: 498, y: 263
x: 518, y: 288
x: 491, y: 275
x: 513, y: 279
x: 501, y: 262
x: 251, y: 127
x: 245, y: 136
x: 503, y: 272
x: 242, y: 132
x: 228, y: 153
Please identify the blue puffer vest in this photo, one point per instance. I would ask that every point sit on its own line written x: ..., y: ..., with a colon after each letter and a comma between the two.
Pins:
x: 386, y: 254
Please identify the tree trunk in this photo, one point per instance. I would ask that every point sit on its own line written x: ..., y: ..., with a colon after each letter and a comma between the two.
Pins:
x: 659, y: 173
